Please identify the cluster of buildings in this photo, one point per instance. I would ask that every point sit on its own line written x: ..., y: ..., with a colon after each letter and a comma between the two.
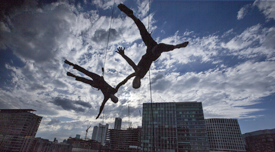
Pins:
x: 18, y: 128
x: 166, y: 127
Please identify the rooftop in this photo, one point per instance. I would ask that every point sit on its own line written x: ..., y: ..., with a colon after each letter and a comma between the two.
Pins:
x: 16, y: 110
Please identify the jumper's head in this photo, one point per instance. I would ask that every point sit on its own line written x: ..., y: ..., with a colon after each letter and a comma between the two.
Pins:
x: 136, y: 82
x: 114, y: 98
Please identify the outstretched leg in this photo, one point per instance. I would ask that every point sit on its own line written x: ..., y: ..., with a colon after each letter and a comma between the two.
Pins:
x: 146, y: 37
x: 81, y: 79
x: 158, y: 49
x: 86, y: 72
x: 184, y: 44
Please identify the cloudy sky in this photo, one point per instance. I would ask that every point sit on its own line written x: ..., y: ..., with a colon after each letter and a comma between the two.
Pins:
x: 228, y: 64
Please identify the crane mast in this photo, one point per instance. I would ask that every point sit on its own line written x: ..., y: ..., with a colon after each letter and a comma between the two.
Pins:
x: 87, y: 132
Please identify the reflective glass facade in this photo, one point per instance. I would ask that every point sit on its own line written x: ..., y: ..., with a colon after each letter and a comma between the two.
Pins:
x: 224, y: 135
x: 174, y: 127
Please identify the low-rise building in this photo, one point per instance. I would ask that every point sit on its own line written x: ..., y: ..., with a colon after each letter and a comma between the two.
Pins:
x: 261, y: 140
x: 83, y: 144
x: 125, y: 140
x: 12, y: 143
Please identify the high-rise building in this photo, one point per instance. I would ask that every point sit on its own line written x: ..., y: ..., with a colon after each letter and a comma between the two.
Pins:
x: 224, y: 135
x: 100, y: 132
x: 15, y: 125
x: 261, y: 140
x: 94, y: 135
x: 117, y: 123
x: 19, y: 122
x: 174, y: 127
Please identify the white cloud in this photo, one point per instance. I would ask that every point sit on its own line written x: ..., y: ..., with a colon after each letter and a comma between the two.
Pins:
x: 267, y: 7
x: 202, y: 48
x: 107, y: 4
x: 252, y: 42
x: 40, y: 36
x: 143, y: 8
x: 245, y: 39
x: 223, y: 92
x: 269, y: 39
x: 243, y: 11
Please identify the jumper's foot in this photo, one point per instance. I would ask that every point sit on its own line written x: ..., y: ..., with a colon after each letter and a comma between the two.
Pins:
x: 182, y: 45
x: 126, y: 10
x: 70, y: 74
x: 68, y: 62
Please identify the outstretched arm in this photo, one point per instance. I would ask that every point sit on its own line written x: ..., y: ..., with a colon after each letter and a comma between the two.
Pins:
x: 120, y: 51
x: 102, y: 106
x: 125, y: 80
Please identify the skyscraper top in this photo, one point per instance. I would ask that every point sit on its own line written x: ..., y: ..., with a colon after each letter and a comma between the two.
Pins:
x: 259, y: 132
x: 118, y: 122
x: 16, y: 110
x: 174, y: 102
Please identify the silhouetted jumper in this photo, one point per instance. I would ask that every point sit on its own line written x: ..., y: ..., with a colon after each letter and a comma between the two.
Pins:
x: 153, y: 50
x: 99, y: 83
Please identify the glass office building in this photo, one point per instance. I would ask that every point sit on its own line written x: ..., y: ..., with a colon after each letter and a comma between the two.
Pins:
x: 174, y: 127
x: 100, y: 133
x: 224, y: 135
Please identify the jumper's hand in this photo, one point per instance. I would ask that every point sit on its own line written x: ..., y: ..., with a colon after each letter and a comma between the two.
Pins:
x: 120, y: 50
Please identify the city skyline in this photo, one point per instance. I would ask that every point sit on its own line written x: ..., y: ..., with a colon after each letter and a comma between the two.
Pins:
x: 181, y: 122
x: 227, y: 64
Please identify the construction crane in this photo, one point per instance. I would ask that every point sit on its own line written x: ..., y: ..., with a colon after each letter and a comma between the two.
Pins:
x: 87, y: 132
x: 130, y: 123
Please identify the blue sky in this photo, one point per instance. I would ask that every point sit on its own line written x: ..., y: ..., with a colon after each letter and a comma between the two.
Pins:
x: 228, y: 64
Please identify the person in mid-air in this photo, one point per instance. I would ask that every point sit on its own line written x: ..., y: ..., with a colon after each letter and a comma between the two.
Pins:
x: 99, y: 83
x: 153, y: 51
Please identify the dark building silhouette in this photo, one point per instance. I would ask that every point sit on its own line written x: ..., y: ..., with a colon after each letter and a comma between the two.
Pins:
x: 100, y: 133
x: 18, y: 128
x: 125, y: 140
x: 83, y: 145
x: 19, y: 122
x: 16, y: 124
x: 38, y: 144
x: 118, y: 122
x: 260, y: 141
